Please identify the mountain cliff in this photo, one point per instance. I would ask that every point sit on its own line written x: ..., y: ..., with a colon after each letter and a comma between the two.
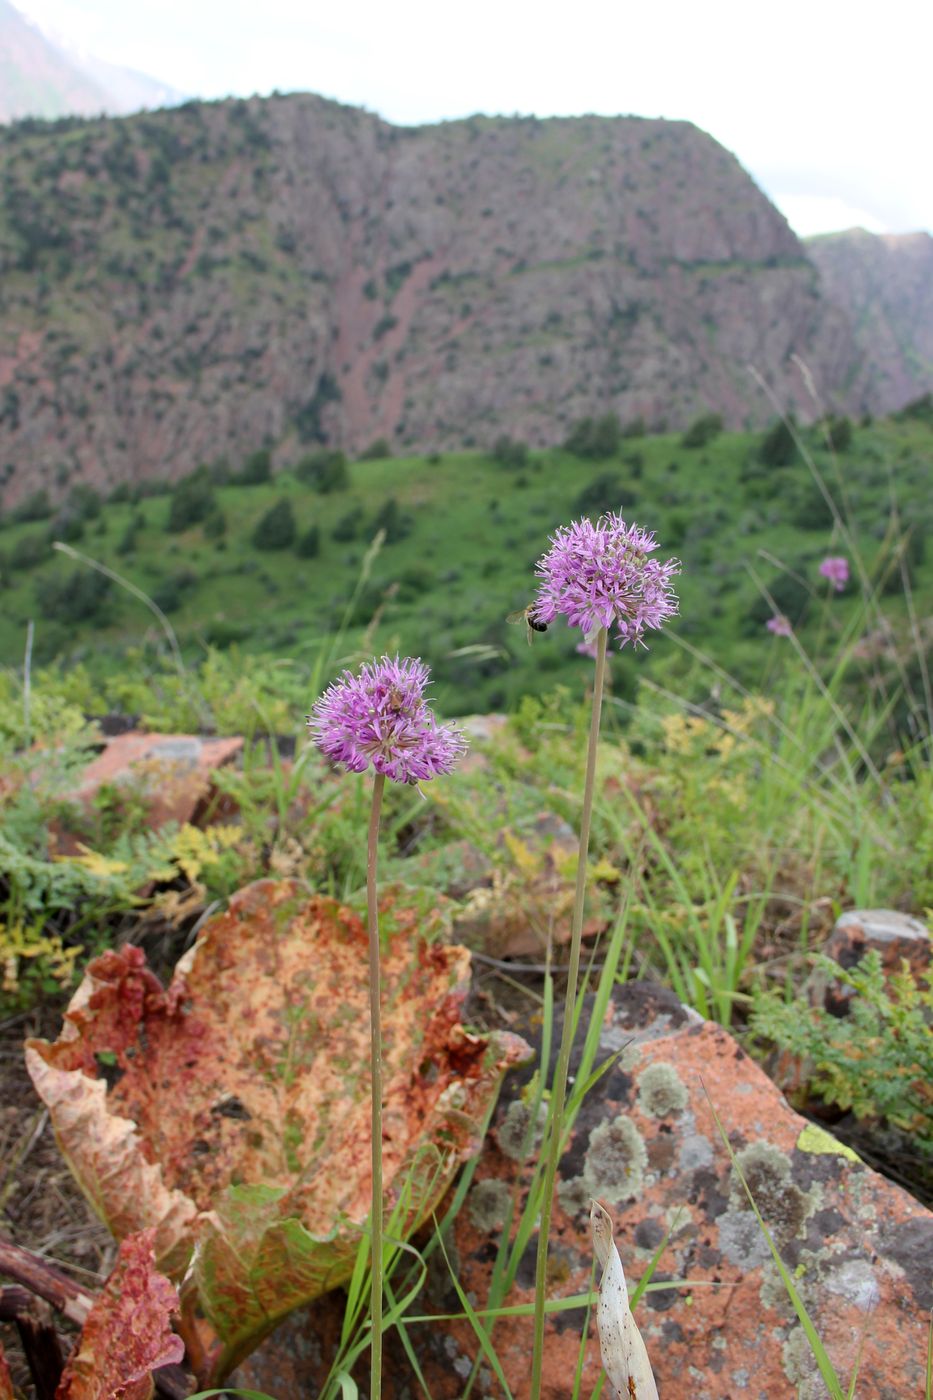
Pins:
x: 885, y: 285
x: 202, y: 281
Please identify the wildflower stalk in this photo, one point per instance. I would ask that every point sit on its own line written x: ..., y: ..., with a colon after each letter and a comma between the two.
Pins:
x: 380, y: 717
x: 375, y: 1056
x: 559, y: 1089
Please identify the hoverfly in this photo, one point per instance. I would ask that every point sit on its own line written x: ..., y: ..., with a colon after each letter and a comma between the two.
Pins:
x: 532, y: 623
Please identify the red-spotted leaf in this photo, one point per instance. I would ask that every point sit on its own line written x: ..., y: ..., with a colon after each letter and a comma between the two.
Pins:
x: 128, y: 1331
x: 237, y: 1121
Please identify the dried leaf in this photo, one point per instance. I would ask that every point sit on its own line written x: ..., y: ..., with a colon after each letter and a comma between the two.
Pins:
x: 128, y: 1331
x: 238, y: 1125
x: 6, y: 1380
x: 624, y: 1357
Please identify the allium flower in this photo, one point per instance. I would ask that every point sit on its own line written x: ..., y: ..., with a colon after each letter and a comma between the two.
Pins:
x: 601, y: 576
x: 836, y: 569
x: 780, y: 626
x: 381, y: 717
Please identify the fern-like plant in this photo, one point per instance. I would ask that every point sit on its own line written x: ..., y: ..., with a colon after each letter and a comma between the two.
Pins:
x: 878, y: 1059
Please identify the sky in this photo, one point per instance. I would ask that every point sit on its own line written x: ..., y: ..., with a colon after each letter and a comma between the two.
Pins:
x: 828, y: 105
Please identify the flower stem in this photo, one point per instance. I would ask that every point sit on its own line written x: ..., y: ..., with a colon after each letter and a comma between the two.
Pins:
x: 559, y: 1089
x: 375, y: 1021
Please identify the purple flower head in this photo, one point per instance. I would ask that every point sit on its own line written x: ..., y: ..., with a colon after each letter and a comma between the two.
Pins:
x: 836, y: 569
x: 381, y: 717
x: 780, y: 626
x: 601, y: 576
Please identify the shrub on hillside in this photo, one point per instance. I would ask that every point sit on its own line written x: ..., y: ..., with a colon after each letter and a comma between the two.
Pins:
x: 308, y: 418
x: 839, y: 434
x: 36, y: 506
x: 28, y: 551
x: 604, y: 492
x: 215, y: 526
x: 811, y: 510
x: 84, y: 501
x: 702, y: 430
x: 393, y: 520
x: 169, y: 594
x: 309, y: 544
x: 80, y: 596
x: 325, y: 470
x: 759, y: 481
x: 127, y: 541
x: 595, y: 438
x: 193, y: 500
x: 277, y: 528
x: 414, y: 581
x: 68, y: 525
x: 376, y: 450
x: 920, y: 410
x: 634, y: 428
x: 348, y: 526
x: 509, y: 452
x: 256, y: 469
x: 778, y: 448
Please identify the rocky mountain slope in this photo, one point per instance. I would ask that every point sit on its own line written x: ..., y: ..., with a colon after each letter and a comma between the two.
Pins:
x: 201, y: 281
x: 41, y: 78
x: 885, y: 284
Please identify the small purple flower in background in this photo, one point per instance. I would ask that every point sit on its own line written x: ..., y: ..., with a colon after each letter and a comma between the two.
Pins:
x: 586, y: 648
x: 601, y: 576
x: 779, y: 626
x: 836, y: 569
x: 381, y: 717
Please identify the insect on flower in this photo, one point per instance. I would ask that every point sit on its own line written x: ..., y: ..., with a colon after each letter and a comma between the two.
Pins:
x: 532, y: 622
x: 603, y: 575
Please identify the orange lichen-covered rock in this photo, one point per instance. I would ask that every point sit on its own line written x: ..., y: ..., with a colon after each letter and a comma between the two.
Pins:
x: 646, y: 1143
x: 170, y: 773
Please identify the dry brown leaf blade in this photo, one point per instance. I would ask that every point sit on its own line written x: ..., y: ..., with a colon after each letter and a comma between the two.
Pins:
x: 237, y: 1118
x: 128, y: 1331
x: 107, y: 1157
x: 624, y: 1356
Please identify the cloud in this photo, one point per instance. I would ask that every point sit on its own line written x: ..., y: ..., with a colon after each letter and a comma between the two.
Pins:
x: 813, y: 213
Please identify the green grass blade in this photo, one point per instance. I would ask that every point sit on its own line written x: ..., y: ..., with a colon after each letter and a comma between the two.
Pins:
x: 481, y: 1334
x: 225, y: 1390
x: 405, y: 1339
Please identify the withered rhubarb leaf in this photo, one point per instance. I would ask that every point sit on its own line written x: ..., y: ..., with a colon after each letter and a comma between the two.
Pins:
x: 6, y: 1380
x: 128, y: 1332
x: 230, y: 1113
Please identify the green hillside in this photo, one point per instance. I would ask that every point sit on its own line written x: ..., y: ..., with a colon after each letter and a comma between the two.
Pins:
x: 462, y: 535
